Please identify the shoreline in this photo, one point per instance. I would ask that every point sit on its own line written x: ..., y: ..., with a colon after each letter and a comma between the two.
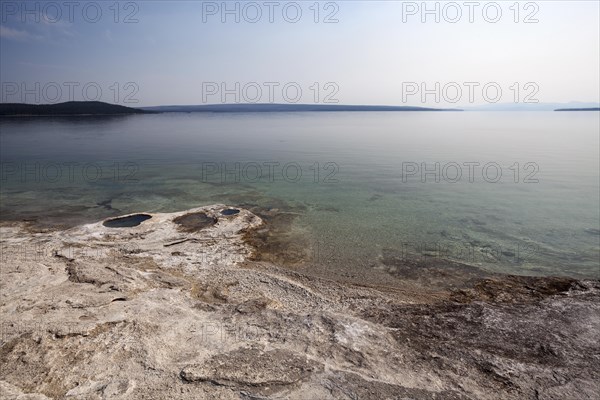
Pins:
x: 192, y: 297
x: 72, y: 115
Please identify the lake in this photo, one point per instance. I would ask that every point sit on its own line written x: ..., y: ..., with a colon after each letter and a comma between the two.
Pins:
x: 515, y: 192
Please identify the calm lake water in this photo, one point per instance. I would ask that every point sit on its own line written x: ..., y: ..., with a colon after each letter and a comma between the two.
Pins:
x: 513, y: 192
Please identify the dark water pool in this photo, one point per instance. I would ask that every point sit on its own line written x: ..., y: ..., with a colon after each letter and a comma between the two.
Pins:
x: 126, y: 222
x: 230, y: 211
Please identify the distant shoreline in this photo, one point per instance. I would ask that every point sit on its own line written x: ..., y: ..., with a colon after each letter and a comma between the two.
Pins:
x: 578, y: 109
x: 274, y: 107
x: 67, y: 109
x: 67, y: 115
x: 96, y: 108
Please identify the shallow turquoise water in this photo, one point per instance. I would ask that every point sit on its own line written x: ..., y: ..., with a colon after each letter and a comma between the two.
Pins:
x: 353, y: 178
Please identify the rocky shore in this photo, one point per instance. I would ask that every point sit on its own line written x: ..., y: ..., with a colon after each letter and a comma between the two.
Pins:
x: 190, y: 305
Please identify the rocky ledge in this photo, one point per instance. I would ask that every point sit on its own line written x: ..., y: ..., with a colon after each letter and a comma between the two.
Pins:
x: 177, y: 306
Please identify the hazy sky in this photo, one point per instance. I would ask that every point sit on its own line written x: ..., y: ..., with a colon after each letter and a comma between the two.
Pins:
x: 378, y: 52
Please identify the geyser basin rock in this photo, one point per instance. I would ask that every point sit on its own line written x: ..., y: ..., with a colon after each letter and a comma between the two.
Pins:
x: 197, y: 235
x: 173, y: 309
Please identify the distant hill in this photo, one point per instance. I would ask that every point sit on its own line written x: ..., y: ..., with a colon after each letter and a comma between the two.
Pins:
x: 262, y: 107
x: 578, y: 109
x: 69, y: 108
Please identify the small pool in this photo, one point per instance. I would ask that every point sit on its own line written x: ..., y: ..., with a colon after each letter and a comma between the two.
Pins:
x: 230, y: 211
x: 126, y: 222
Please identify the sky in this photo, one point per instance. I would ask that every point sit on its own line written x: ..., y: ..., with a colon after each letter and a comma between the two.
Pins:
x: 451, y: 54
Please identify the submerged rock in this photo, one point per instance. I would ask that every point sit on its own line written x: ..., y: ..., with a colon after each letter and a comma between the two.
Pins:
x: 193, y: 222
